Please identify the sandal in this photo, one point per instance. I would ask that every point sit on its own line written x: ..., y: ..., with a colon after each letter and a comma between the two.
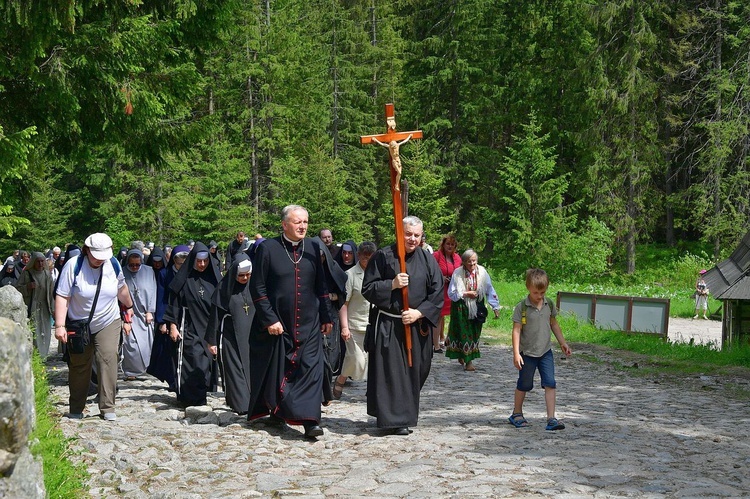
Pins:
x: 517, y: 420
x: 338, y: 388
x: 470, y: 367
x: 554, y: 424
x: 461, y: 361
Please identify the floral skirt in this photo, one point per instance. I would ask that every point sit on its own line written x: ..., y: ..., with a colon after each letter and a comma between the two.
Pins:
x: 463, y: 334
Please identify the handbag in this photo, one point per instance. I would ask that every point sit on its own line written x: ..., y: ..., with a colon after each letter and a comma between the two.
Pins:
x: 79, y: 333
x: 481, y: 312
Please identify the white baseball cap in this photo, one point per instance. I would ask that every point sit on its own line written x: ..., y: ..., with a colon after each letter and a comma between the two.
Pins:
x: 99, y: 245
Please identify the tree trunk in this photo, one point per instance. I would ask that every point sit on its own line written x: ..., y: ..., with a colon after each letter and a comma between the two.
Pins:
x: 718, y: 117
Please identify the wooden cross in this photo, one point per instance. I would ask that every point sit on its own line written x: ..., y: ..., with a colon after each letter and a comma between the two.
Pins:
x: 393, y: 140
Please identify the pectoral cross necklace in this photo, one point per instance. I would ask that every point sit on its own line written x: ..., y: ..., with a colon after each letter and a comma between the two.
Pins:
x: 201, y: 291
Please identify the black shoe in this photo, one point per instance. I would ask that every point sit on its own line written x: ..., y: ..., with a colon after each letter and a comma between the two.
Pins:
x: 401, y: 431
x: 275, y: 420
x: 313, y: 430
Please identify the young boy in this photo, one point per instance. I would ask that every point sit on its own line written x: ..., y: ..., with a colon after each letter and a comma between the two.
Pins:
x: 533, y: 319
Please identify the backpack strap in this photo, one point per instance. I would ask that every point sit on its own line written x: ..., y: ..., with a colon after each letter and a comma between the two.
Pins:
x: 115, y: 265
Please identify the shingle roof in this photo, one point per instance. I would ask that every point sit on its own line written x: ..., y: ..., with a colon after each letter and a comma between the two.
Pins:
x: 739, y: 291
x: 732, y: 273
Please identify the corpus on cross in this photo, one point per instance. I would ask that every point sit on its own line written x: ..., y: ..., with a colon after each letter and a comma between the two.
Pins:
x: 393, y: 140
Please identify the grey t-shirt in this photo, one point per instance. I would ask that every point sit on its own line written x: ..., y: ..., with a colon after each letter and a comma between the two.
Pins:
x: 536, y: 335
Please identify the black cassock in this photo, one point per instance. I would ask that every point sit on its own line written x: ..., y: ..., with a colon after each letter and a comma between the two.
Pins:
x: 286, y: 371
x: 392, y: 386
x: 332, y: 351
x: 190, y: 298
x: 232, y: 314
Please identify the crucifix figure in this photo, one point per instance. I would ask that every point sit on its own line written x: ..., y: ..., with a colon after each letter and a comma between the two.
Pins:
x: 393, y: 140
x: 393, y: 149
x: 246, y: 307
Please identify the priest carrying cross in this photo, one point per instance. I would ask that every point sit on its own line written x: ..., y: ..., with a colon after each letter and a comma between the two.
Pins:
x: 405, y: 285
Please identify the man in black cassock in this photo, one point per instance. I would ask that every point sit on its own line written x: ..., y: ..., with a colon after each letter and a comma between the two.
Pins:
x: 291, y: 315
x: 228, y: 333
x: 393, y: 387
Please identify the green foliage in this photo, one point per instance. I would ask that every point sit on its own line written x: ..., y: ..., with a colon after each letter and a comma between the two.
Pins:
x: 14, y: 154
x: 582, y: 255
x: 537, y: 223
x: 62, y: 479
x: 177, y: 120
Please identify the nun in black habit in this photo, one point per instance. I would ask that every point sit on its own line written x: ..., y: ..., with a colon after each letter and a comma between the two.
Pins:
x: 187, y: 318
x: 160, y: 364
x: 347, y: 255
x: 228, y: 335
x: 336, y: 282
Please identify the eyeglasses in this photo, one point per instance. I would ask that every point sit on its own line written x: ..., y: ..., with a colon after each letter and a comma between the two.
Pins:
x: 134, y: 265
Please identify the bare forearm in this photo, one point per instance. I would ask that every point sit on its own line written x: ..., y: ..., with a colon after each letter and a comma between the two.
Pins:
x: 123, y: 294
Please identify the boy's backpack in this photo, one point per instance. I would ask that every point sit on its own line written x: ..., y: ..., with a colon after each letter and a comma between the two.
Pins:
x: 77, y: 270
x: 524, y: 307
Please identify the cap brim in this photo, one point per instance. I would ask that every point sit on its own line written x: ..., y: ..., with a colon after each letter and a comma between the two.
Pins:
x: 104, y: 254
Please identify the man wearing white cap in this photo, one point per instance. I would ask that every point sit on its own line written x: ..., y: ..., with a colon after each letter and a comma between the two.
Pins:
x: 89, y: 288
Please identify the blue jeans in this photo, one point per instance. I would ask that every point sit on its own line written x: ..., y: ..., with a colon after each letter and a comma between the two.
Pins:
x: 546, y: 366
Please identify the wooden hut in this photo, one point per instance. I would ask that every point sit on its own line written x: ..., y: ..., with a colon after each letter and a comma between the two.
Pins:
x: 729, y: 282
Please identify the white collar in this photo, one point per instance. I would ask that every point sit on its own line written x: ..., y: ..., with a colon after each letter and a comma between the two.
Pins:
x: 293, y: 243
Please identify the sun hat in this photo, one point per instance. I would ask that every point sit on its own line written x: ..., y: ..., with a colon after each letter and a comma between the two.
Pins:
x: 99, y: 245
x: 703, y: 271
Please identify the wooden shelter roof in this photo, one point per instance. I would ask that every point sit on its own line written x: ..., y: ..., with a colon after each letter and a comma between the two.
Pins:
x: 730, y: 279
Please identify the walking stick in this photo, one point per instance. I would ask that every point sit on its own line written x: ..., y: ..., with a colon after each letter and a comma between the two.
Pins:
x: 179, y: 351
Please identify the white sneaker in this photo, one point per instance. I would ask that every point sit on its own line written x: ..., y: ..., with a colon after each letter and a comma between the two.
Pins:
x: 109, y: 416
x: 695, y: 316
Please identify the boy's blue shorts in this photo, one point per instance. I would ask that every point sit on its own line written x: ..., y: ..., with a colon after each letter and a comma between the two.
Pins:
x: 546, y: 366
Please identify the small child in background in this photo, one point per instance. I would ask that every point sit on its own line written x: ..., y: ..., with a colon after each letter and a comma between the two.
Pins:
x: 533, y: 323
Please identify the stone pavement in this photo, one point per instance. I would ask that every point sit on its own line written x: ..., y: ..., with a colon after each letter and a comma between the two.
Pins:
x: 628, y: 434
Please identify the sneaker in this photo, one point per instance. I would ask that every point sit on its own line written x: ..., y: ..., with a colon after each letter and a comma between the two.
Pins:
x: 109, y: 416
x: 74, y: 415
x: 695, y: 316
x: 705, y: 317
x: 554, y: 424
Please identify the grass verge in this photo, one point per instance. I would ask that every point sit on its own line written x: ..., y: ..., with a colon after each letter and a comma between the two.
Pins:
x: 62, y: 479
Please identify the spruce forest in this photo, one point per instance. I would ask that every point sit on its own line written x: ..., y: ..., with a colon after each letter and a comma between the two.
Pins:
x: 558, y: 133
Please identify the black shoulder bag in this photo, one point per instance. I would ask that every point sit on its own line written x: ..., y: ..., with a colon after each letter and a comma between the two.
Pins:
x: 79, y: 333
x: 481, y: 312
